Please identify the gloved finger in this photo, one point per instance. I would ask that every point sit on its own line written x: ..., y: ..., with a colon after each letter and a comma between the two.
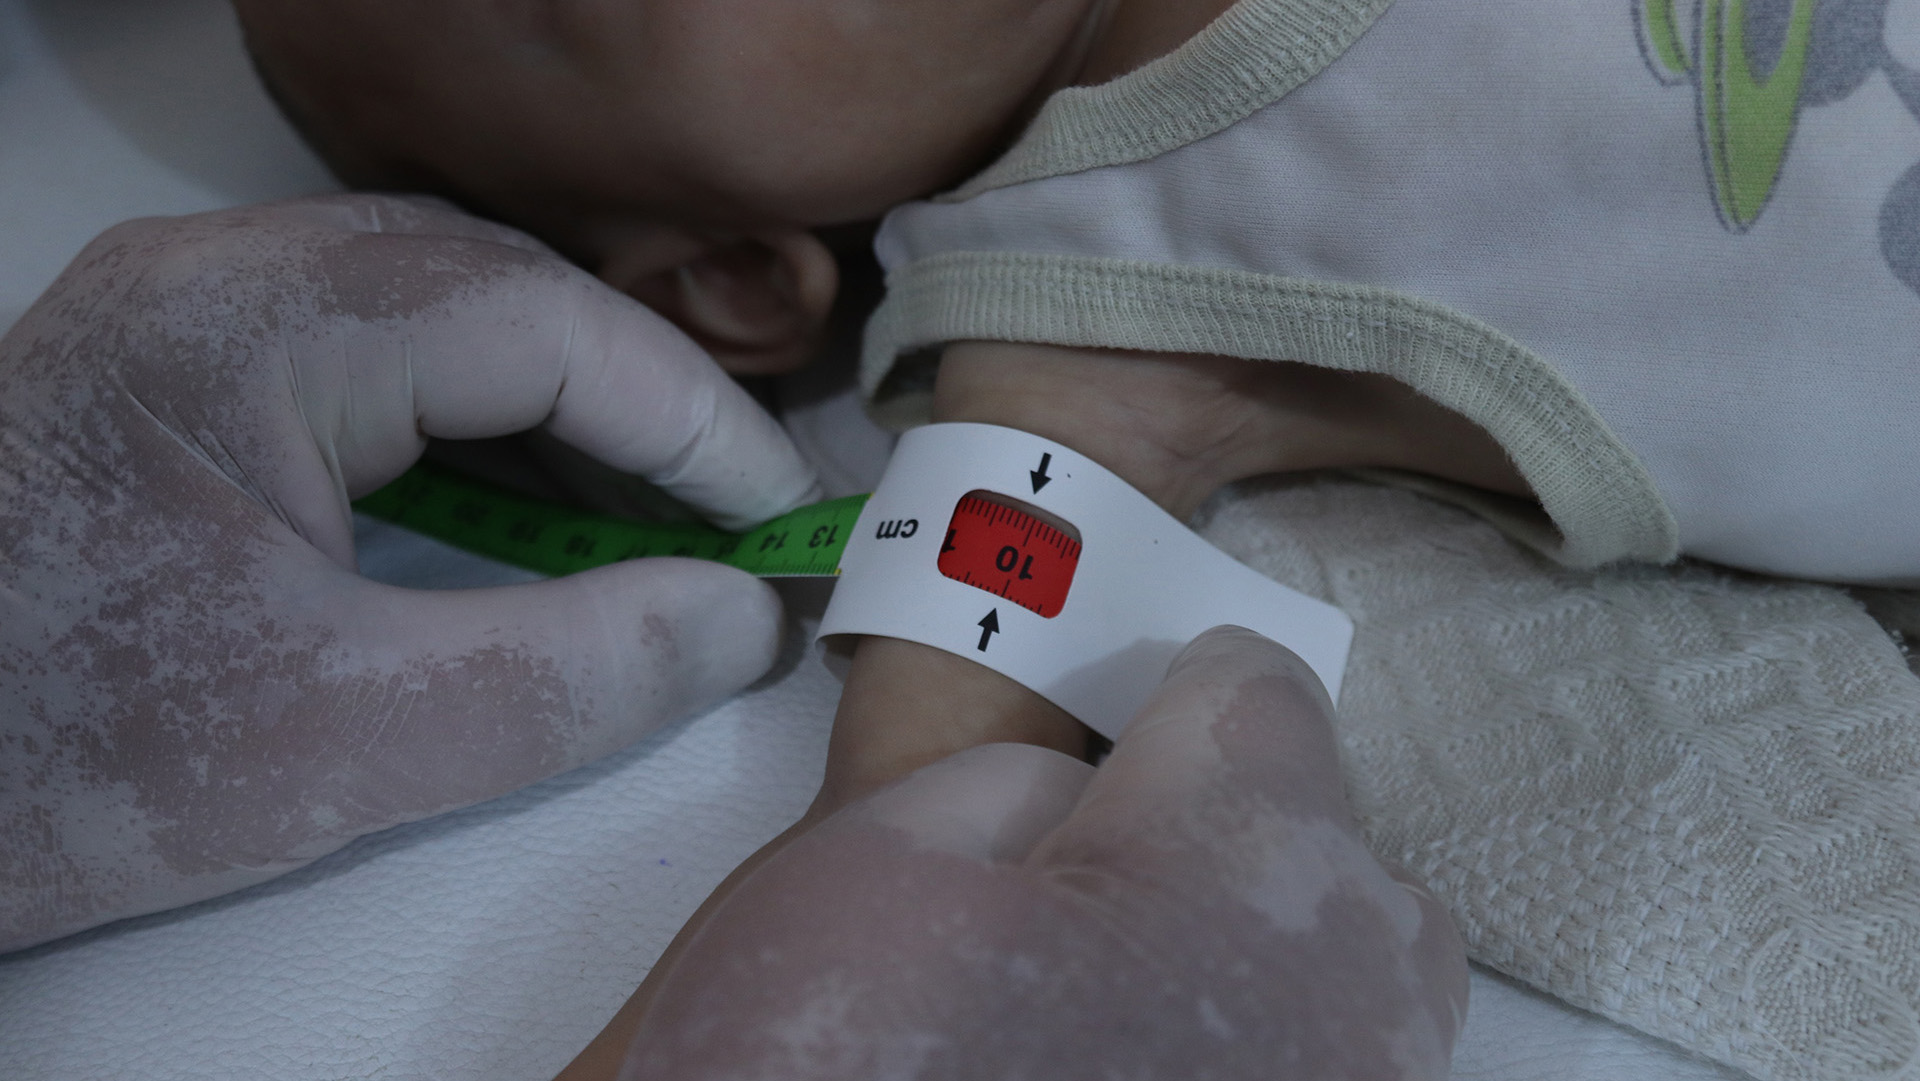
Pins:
x: 393, y: 214
x: 463, y: 695
x: 1439, y: 949
x: 1240, y: 730
x: 508, y: 344
x: 990, y: 803
x: 205, y: 702
x: 1226, y: 791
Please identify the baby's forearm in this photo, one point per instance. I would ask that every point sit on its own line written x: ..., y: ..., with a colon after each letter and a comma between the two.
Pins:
x: 907, y: 705
x: 1176, y: 428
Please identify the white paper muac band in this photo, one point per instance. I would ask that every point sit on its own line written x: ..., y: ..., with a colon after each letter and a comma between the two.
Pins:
x: 1145, y: 585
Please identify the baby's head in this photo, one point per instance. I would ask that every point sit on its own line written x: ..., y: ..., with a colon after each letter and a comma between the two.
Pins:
x: 686, y: 150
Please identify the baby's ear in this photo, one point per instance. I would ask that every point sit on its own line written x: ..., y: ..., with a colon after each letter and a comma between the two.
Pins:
x: 758, y: 303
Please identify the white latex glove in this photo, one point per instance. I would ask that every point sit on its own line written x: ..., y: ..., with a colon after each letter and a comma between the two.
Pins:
x: 196, y: 691
x: 1201, y: 907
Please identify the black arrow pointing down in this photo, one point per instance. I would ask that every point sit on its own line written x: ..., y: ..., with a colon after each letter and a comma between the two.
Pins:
x: 1039, y: 475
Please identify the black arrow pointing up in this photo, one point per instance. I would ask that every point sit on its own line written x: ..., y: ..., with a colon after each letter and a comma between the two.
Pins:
x: 989, y: 626
x: 1039, y: 475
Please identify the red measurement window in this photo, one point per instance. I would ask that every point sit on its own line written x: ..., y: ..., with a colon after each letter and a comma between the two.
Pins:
x: 1010, y: 554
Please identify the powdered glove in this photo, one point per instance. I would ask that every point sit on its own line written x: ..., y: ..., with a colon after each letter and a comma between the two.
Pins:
x: 1199, y: 907
x: 196, y: 690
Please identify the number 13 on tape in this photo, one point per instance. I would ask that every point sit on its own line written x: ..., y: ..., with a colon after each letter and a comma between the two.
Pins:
x: 1016, y: 552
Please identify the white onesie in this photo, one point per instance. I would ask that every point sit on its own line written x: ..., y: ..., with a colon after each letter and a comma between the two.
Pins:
x: 1667, y: 253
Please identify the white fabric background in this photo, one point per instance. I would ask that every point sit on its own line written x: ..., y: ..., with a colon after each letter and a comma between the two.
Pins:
x: 493, y: 942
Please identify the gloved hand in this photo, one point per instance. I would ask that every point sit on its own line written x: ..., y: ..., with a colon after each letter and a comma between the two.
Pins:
x: 196, y: 691
x: 1201, y: 906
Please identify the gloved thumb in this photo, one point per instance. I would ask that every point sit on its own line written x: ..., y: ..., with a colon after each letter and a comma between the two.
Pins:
x: 1240, y: 729
x: 462, y: 695
x: 990, y: 803
x: 1226, y: 790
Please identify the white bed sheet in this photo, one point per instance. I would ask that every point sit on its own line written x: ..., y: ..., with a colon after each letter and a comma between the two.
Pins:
x: 492, y: 942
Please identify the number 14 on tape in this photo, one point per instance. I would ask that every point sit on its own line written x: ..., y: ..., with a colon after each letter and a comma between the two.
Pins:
x: 555, y: 539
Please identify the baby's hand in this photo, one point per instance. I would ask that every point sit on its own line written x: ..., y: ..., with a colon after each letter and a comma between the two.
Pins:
x: 196, y: 691
x: 1200, y: 906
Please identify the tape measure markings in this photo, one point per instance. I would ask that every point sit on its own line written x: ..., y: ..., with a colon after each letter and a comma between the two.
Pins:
x: 555, y: 539
x: 991, y: 546
x: 988, y: 545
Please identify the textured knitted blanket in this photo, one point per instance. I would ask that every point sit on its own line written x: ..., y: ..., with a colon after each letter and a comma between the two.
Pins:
x: 1679, y: 797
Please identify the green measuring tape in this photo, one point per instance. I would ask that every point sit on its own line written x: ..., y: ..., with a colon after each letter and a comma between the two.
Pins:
x: 555, y: 539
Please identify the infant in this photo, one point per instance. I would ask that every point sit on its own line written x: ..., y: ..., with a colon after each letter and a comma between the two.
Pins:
x: 701, y: 157
x: 1611, y: 251
x: 1582, y: 268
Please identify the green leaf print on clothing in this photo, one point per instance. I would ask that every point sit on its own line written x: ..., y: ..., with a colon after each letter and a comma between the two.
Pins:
x: 1668, y: 54
x: 1746, y: 116
x: 1747, y: 120
x: 1813, y: 53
